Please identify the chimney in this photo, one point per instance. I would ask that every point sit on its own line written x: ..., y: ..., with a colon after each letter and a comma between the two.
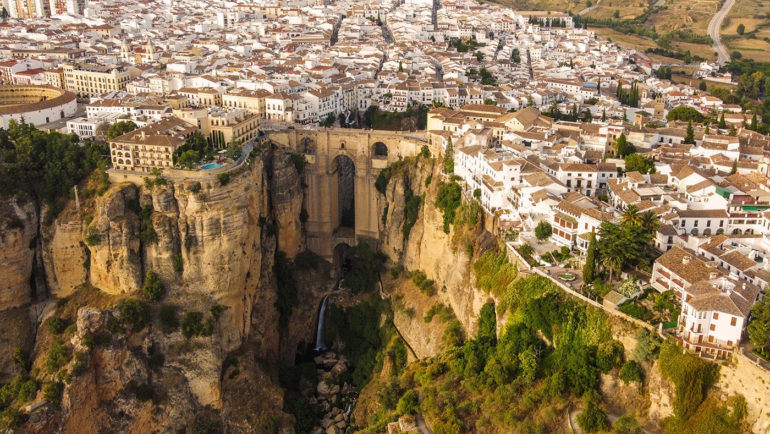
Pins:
x: 713, y: 275
x: 686, y: 260
x: 143, y: 135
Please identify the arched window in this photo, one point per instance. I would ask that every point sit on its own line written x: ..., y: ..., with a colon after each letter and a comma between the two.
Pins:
x: 380, y: 149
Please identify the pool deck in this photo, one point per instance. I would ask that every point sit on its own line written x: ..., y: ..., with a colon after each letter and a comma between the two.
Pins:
x: 181, y: 174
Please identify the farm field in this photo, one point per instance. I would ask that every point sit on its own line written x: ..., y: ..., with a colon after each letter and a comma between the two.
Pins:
x: 754, y: 15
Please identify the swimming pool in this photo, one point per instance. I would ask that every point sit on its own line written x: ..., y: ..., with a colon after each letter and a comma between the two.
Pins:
x: 210, y: 166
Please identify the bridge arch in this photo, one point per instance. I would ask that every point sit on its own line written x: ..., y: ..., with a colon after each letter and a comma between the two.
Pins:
x: 341, y: 199
x: 340, y: 258
x: 380, y: 150
x: 343, y: 170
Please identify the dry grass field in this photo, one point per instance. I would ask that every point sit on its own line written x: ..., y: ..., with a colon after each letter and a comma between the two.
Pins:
x: 753, y: 14
x: 640, y: 43
x: 691, y: 15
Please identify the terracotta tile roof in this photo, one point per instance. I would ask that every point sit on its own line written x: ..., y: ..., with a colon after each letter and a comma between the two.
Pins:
x: 686, y: 264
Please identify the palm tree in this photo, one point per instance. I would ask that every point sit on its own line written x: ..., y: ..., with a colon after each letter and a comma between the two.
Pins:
x: 649, y: 221
x: 612, y: 263
x: 631, y: 216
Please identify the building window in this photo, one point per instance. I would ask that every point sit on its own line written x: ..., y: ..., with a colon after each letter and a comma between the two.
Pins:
x: 716, y: 315
x: 733, y: 321
x: 713, y: 327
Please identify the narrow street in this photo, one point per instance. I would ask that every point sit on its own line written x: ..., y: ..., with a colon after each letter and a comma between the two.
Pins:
x: 336, y: 31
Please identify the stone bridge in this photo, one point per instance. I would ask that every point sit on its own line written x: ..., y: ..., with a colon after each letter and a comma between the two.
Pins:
x: 341, y: 214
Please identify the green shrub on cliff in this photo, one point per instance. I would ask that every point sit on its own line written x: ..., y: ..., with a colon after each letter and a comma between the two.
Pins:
x: 153, y: 288
x: 448, y: 200
x: 365, y: 266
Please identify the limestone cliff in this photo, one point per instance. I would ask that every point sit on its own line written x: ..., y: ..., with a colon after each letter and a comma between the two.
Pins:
x: 428, y: 248
x: 287, y: 198
x: 65, y: 254
x: 116, y: 266
x: 18, y: 234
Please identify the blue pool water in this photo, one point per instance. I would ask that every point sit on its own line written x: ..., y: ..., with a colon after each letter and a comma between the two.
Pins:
x: 210, y: 166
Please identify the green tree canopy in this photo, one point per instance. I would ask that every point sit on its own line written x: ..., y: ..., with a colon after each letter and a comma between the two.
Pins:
x: 685, y: 114
x: 543, y: 230
x: 639, y: 163
x: 119, y: 128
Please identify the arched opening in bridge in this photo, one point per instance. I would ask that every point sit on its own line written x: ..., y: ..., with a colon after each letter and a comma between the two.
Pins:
x: 380, y: 150
x: 341, y: 260
x: 308, y: 145
x: 344, y: 179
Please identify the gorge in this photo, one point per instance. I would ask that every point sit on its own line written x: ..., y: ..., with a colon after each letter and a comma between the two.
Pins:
x: 249, y: 333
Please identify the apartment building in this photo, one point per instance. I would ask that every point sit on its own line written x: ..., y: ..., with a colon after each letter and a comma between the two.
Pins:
x: 224, y: 126
x: 150, y: 147
x: 94, y: 80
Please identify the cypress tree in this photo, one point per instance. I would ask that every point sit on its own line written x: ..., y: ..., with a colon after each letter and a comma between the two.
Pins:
x: 722, y: 123
x: 708, y: 131
x: 754, y: 123
x: 589, y: 269
x: 604, y: 115
x: 689, y: 138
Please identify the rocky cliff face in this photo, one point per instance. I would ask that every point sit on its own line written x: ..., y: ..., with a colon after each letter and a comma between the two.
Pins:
x: 65, y: 255
x: 18, y: 234
x: 287, y: 197
x: 210, y: 244
x: 428, y: 248
x: 116, y: 266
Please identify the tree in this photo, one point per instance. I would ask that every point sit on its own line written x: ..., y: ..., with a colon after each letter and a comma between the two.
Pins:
x: 609, y: 355
x: 631, y: 372
x: 234, y: 150
x: 707, y: 131
x: 189, y: 159
x: 689, y: 138
x: 733, y: 131
x: 516, y: 55
x: 449, y: 160
x: 592, y: 418
x: 759, y: 328
x: 639, y: 163
x: 631, y: 216
x: 619, y: 245
x: 400, y: 66
x: 623, y: 146
x: 409, y: 403
x: 685, y: 114
x: 627, y: 425
x: 604, y: 115
x: 616, y: 14
x: 543, y: 230
x: 650, y: 221
x: 589, y: 269
x: 734, y: 169
x: 740, y: 29
x: 754, y: 124
x: 722, y: 124
x: 328, y: 121
x: 119, y: 128
x: 153, y: 288
x: 702, y: 86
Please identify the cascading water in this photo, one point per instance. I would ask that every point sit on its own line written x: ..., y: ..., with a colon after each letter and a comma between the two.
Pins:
x: 320, y: 345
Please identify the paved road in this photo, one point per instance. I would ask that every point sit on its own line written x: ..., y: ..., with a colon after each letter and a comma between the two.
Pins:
x: 587, y: 10
x: 714, y: 26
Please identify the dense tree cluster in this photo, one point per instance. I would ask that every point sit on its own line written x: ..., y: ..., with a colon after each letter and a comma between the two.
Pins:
x: 45, y: 166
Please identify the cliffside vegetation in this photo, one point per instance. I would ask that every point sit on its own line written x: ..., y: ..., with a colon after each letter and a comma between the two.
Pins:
x: 45, y: 166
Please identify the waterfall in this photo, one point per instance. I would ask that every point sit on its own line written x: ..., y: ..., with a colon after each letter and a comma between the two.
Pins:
x: 319, y: 338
